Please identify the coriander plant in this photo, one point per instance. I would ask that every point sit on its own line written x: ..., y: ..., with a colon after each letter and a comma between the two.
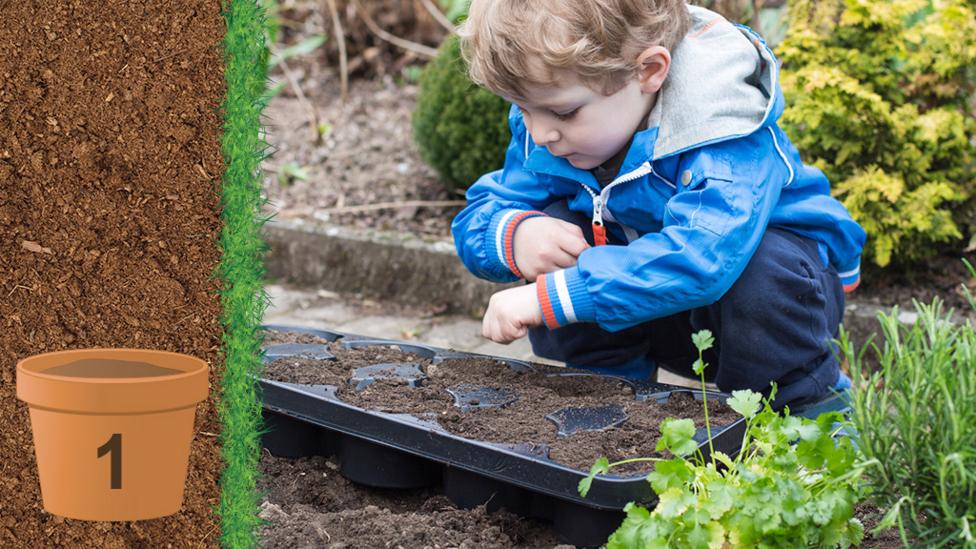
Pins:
x: 792, y: 485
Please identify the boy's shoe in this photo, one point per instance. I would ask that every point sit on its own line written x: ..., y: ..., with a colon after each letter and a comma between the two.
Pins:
x: 641, y: 368
x: 837, y: 401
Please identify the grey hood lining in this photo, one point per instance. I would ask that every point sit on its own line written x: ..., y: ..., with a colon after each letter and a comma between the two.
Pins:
x: 721, y: 84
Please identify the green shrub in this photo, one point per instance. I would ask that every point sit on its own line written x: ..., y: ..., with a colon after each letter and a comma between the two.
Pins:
x: 879, y: 97
x: 461, y: 129
x: 916, y: 424
x: 792, y: 485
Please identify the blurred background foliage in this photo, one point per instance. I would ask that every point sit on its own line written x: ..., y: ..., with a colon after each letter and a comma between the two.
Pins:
x: 881, y: 96
x: 461, y: 130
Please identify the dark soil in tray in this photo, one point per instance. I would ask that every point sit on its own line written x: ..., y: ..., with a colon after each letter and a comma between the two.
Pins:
x: 520, y: 422
x: 310, y: 505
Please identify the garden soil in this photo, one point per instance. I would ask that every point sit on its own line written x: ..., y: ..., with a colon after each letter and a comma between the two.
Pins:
x: 110, y: 164
x: 308, y: 504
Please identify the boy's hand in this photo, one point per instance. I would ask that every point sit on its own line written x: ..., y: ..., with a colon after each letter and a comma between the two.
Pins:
x: 545, y: 244
x: 511, y: 313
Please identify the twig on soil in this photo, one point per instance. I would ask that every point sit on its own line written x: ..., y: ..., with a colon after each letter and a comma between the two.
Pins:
x: 207, y: 535
x: 321, y: 531
x: 301, y: 97
x: 341, y: 37
x: 395, y: 205
x: 420, y: 49
x: 290, y: 23
x: 757, y: 6
x: 16, y: 286
x: 438, y: 15
x: 180, y: 321
x: 203, y: 172
x: 184, y: 50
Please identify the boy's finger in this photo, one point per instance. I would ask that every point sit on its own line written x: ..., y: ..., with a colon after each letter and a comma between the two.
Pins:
x: 565, y: 260
x: 521, y: 332
x: 572, y: 229
x: 488, y: 325
x: 576, y: 232
x: 515, y: 329
x: 573, y: 246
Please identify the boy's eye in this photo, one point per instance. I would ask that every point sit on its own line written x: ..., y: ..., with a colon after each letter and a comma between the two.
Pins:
x: 566, y: 115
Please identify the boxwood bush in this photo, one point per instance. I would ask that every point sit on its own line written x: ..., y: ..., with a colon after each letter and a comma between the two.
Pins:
x: 879, y: 96
x: 460, y: 128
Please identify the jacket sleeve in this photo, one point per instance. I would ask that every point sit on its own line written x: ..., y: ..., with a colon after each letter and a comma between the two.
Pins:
x: 712, y: 226
x: 497, y: 203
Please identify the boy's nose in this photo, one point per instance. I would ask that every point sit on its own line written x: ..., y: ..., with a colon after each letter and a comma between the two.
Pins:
x: 543, y: 135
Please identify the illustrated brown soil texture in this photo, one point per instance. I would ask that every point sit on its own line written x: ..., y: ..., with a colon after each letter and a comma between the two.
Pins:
x: 522, y: 421
x: 110, y: 164
x: 310, y: 505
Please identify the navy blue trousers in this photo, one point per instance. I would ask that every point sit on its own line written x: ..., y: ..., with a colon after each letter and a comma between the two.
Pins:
x: 775, y: 324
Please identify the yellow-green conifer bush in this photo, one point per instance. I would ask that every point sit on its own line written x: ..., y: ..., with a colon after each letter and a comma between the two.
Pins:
x: 880, y: 97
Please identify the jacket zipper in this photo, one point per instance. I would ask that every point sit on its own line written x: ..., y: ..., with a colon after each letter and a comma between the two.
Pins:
x: 599, y: 229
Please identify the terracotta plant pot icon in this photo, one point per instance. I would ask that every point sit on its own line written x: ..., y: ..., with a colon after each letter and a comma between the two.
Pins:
x: 112, y: 429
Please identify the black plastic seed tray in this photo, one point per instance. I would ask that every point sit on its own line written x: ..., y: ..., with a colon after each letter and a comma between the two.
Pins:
x: 408, y: 451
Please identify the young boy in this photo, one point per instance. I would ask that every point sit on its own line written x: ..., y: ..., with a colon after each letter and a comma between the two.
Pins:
x: 648, y: 193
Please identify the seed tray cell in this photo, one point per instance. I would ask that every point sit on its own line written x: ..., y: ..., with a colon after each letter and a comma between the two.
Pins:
x: 390, y: 450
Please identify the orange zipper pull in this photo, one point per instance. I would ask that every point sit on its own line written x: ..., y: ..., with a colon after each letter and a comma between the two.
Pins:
x: 599, y: 231
x: 599, y: 234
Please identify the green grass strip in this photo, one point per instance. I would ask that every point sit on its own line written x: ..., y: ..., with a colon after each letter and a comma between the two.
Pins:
x: 243, y: 297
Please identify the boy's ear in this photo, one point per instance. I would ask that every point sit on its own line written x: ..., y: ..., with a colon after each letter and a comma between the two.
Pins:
x: 654, y: 64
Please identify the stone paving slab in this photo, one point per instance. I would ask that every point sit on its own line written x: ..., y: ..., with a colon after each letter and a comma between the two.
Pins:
x: 291, y: 305
x: 324, y: 309
x: 376, y: 264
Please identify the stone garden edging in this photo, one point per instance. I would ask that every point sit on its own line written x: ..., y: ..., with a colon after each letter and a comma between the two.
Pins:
x: 379, y: 265
x: 387, y: 266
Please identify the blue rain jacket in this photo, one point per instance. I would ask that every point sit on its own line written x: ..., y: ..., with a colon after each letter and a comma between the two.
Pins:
x: 695, y: 194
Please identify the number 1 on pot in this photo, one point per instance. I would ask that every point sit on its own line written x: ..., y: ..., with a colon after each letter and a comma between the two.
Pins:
x: 114, y: 445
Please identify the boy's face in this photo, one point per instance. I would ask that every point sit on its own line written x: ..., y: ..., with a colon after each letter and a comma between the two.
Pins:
x: 581, y: 125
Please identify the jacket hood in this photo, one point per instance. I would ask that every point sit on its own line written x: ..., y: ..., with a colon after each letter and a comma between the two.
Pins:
x: 723, y: 83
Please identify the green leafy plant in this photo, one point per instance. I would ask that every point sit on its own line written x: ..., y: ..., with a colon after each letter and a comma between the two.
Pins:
x: 460, y: 129
x: 306, y: 46
x: 915, y: 416
x: 291, y: 171
x: 455, y: 9
x: 792, y: 485
x: 880, y: 96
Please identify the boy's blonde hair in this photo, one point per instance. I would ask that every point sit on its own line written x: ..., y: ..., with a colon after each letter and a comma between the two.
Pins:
x: 503, y: 41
